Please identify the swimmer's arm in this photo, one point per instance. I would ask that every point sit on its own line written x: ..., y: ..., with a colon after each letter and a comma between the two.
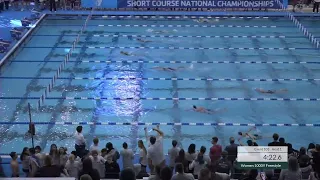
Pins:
x: 240, y: 143
x: 251, y: 129
x: 251, y: 137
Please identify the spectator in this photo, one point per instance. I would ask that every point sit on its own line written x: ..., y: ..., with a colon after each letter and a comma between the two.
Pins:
x: 166, y: 173
x: 275, y: 140
x: 142, y: 160
x: 54, y: 153
x: 191, y: 154
x: 34, y: 163
x: 205, y: 174
x: 173, y: 154
x: 1, y: 5
x: 180, y: 173
x: 95, y: 145
x: 183, y: 160
x: 316, y: 6
x: 25, y: 157
x: 305, y: 166
x: 6, y: 4
x: 232, y: 150
x: 291, y: 151
x: 98, y: 162
x: 14, y: 164
x: 76, y: 158
x: 85, y: 177
x: 88, y: 169
x: 311, y: 149
x: 53, y: 5
x: 224, y: 165
x: 72, y: 166
x: 251, y: 143
x: 215, y: 175
x: 155, y: 150
x: 215, y: 150
x: 111, y: 154
x: 127, y: 156
x: 200, y: 162
x: 63, y: 157
x: 282, y: 142
x: 63, y: 172
x: 40, y: 155
x: 315, y: 175
x: 48, y: 170
x: 80, y: 142
x: 1, y: 169
x: 250, y: 175
x: 303, y: 156
x: 293, y: 172
x: 112, y: 169
x: 156, y: 175
x: 127, y: 174
x: 316, y: 157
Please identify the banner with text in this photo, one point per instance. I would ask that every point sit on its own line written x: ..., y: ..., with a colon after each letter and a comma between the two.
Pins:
x: 270, y: 4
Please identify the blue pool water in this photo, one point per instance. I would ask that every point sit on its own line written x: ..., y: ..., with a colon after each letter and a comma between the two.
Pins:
x: 105, y: 38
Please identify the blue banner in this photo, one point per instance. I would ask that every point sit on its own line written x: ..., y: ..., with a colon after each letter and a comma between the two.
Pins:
x: 269, y: 4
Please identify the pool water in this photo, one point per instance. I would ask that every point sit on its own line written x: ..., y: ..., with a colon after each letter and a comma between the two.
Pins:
x: 269, y: 39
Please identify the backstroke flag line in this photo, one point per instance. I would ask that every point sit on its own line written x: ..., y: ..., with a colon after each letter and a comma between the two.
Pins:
x: 270, y: 4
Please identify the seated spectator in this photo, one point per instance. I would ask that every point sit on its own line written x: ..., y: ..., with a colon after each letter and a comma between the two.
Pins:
x: 48, y: 170
x: 88, y: 169
x: 95, y: 145
x: 173, y: 153
x: 275, y: 140
x: 315, y: 175
x: 232, y: 150
x: 183, y: 160
x: 293, y: 172
x: 250, y: 175
x: 180, y: 173
x: 72, y: 166
x: 205, y: 174
x: 14, y: 164
x: 63, y: 157
x: 156, y: 175
x: 127, y: 174
x: 216, y: 175
x: 85, y: 177
x: 98, y: 162
x: 224, y: 165
x: 200, y: 162
x: 112, y: 169
x: 166, y: 173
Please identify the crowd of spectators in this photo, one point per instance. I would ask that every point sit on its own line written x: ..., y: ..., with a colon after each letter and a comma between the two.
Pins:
x: 218, y: 163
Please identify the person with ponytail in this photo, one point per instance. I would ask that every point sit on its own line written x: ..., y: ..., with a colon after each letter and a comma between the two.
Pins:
x: 142, y: 159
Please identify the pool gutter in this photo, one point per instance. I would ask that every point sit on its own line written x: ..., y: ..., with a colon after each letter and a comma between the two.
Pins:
x: 13, y: 51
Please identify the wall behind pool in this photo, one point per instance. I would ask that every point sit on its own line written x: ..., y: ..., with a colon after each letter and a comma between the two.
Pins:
x: 271, y: 4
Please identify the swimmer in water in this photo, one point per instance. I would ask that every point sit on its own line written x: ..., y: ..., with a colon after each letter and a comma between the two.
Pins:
x: 207, y: 111
x: 249, y: 135
x: 142, y: 40
x: 260, y: 90
x: 126, y: 53
x: 159, y: 68
x: 161, y: 31
x: 206, y: 20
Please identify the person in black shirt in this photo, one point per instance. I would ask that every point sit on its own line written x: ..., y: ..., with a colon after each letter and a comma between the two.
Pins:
x: 48, y: 170
x: 275, y: 140
x: 232, y: 150
x: 88, y: 169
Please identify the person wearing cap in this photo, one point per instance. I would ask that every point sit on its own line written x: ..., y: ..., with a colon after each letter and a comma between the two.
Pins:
x: 14, y: 164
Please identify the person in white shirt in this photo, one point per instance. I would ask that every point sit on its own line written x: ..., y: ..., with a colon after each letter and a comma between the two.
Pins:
x: 72, y: 166
x: 180, y: 173
x: 127, y: 158
x: 173, y: 154
x: 155, y: 151
x: 98, y: 162
x: 143, y: 158
x: 80, y: 143
x: 40, y: 155
x: 95, y: 145
x: 200, y: 162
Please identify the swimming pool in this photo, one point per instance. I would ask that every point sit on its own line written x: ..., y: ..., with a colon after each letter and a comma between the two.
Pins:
x: 226, y: 58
